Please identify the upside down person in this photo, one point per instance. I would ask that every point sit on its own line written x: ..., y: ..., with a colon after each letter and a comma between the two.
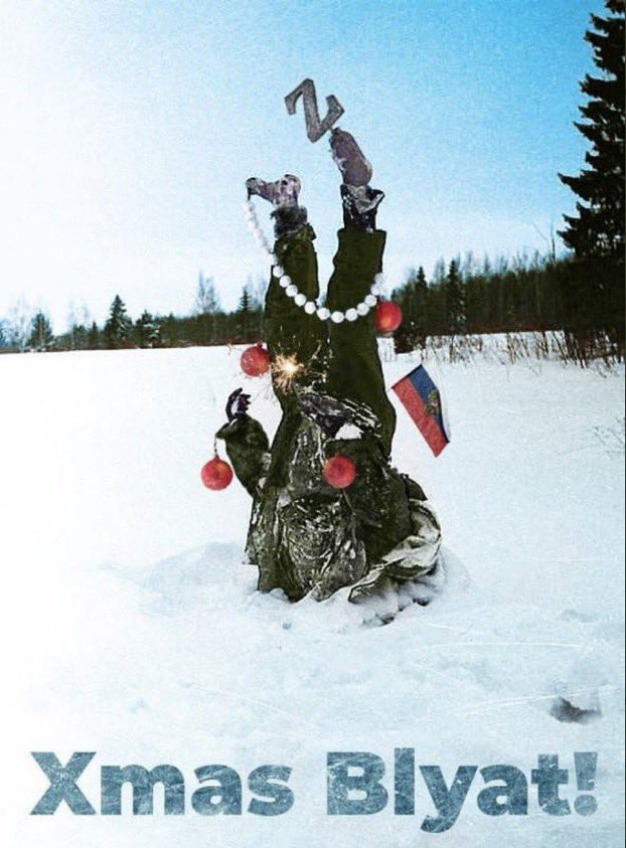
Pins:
x: 306, y: 536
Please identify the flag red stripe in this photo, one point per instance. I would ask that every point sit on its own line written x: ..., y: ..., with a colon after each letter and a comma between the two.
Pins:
x: 417, y: 410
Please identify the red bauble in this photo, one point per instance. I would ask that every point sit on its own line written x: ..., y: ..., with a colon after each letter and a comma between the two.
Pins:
x: 339, y: 471
x: 255, y: 361
x: 388, y: 316
x: 216, y: 474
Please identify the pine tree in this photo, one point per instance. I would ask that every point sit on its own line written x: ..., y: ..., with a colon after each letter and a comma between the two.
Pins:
x: 93, y: 337
x: 41, y: 337
x: 78, y: 336
x: 118, y: 328
x: 244, y: 311
x: 598, y: 229
x: 455, y: 300
x: 420, y: 287
x: 411, y: 297
x: 147, y: 330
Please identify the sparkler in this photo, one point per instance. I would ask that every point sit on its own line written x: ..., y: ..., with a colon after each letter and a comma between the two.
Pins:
x: 284, y: 371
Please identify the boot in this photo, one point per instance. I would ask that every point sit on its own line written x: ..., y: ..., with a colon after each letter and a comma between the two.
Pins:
x: 283, y: 195
x: 355, y: 168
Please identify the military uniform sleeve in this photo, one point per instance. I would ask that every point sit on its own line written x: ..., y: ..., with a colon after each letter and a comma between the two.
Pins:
x: 247, y: 447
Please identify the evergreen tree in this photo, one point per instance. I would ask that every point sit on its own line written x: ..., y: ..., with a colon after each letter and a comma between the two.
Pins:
x: 420, y: 287
x: 78, y: 337
x: 598, y: 228
x: 411, y: 298
x: 93, y: 337
x: 118, y: 327
x: 41, y: 337
x: 244, y: 312
x: 147, y: 330
x: 455, y: 300
x: 169, y: 336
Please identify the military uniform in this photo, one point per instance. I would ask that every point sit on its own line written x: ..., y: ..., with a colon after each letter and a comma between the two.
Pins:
x: 306, y: 536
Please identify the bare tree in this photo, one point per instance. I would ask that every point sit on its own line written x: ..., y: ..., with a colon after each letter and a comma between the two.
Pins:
x: 257, y: 290
x: 18, y: 324
x: 207, y: 307
x: 78, y: 323
x: 207, y: 300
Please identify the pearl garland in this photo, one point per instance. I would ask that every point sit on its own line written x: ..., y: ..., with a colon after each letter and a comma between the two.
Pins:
x: 291, y: 289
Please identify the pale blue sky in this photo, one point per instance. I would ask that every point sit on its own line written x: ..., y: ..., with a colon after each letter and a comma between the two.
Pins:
x: 128, y: 129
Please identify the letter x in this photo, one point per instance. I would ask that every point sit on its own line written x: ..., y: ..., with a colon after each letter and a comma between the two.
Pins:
x: 63, y: 784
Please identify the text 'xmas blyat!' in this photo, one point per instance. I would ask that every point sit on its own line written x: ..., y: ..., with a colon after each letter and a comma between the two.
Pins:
x: 357, y: 784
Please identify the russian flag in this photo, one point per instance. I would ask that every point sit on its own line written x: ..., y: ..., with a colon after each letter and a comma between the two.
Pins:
x: 422, y: 400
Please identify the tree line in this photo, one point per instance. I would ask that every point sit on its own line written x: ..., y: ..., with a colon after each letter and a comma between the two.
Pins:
x: 464, y: 295
x: 208, y: 324
x: 538, y: 293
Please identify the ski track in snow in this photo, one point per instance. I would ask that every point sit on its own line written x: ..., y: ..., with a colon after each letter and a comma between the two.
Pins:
x: 133, y: 627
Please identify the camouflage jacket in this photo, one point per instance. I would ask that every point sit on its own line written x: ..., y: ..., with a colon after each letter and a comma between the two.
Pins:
x: 306, y: 536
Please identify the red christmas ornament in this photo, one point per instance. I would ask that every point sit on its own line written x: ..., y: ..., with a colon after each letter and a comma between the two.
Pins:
x: 339, y: 471
x: 255, y: 361
x: 388, y: 316
x: 216, y: 474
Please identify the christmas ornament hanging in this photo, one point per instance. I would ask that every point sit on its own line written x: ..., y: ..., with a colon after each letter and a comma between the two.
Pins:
x: 255, y: 361
x: 216, y: 474
x: 388, y: 316
x: 339, y: 471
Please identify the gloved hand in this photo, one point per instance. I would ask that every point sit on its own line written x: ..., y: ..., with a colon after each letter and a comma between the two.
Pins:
x: 237, y: 405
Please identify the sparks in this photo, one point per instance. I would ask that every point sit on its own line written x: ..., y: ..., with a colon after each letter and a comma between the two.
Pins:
x: 285, y: 369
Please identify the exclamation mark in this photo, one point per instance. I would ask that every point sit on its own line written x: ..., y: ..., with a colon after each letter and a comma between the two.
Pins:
x: 586, y: 763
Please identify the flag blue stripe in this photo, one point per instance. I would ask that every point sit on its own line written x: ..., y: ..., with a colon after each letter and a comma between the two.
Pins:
x: 422, y: 383
x: 420, y: 379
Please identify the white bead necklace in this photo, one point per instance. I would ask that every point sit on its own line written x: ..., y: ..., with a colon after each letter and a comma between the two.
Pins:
x: 291, y: 289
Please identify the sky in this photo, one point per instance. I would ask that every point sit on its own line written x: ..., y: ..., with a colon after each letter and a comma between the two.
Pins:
x: 128, y: 129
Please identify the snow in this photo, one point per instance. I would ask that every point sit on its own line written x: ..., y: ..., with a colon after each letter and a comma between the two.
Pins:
x: 349, y: 431
x: 132, y: 629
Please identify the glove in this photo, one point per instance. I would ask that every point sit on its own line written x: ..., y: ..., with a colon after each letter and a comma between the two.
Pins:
x: 237, y: 405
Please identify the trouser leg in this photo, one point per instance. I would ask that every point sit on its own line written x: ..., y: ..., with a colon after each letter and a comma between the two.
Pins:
x: 378, y: 495
x: 288, y: 330
x: 355, y: 370
x: 293, y: 334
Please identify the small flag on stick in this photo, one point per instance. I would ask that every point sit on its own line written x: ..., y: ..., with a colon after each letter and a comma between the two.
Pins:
x: 422, y: 400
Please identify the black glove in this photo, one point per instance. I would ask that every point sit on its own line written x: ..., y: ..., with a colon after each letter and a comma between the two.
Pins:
x: 237, y: 405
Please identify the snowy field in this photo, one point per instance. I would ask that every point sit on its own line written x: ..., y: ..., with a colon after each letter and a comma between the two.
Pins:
x: 132, y: 629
